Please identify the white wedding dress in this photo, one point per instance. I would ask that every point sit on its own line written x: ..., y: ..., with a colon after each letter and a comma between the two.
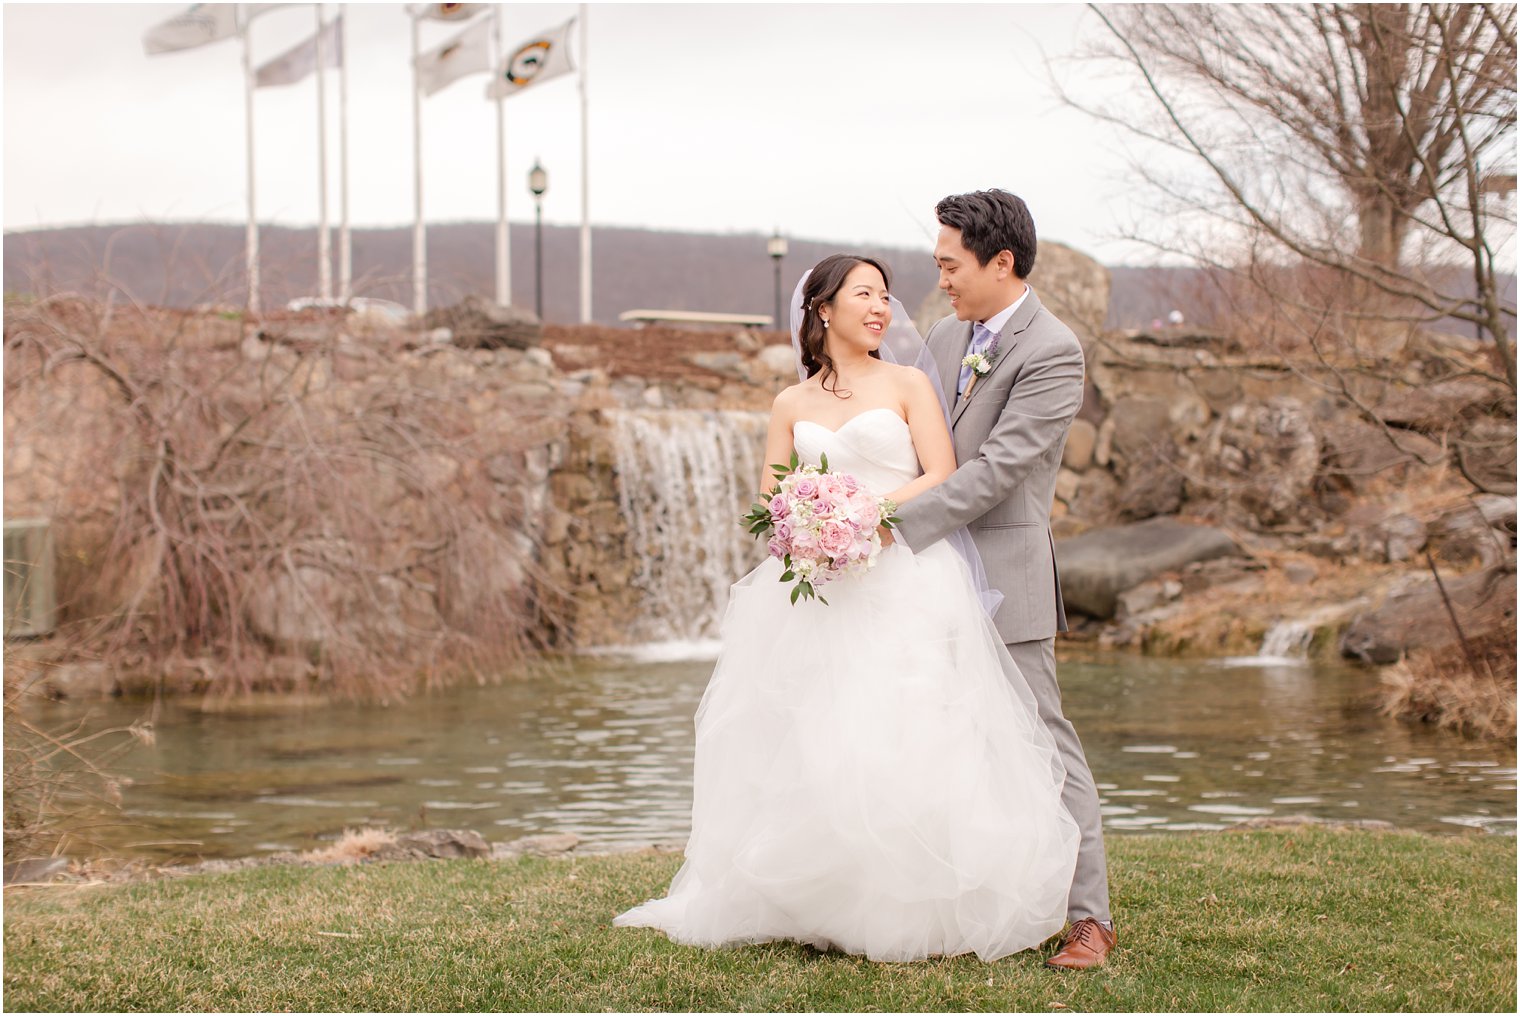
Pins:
x: 870, y: 773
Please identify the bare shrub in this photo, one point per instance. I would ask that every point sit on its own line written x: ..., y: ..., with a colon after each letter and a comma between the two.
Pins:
x: 225, y: 497
x: 1440, y: 687
x: 58, y: 786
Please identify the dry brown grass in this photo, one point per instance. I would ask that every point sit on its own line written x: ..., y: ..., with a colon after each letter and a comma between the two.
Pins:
x: 1442, y: 688
x: 353, y: 846
x: 58, y: 783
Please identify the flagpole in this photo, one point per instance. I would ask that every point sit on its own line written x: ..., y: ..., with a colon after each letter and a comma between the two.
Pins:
x: 251, y: 241
x: 419, y: 231
x: 345, y: 249
x: 324, y: 239
x: 503, y: 238
x: 585, y: 181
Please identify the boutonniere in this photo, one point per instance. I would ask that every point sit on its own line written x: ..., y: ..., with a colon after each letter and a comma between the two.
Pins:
x: 980, y: 364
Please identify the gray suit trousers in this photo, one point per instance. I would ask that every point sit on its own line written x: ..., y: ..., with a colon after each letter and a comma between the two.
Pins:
x: 1089, y: 885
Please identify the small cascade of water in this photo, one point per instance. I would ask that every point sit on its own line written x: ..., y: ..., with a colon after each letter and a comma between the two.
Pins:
x: 685, y: 478
x: 1287, y: 642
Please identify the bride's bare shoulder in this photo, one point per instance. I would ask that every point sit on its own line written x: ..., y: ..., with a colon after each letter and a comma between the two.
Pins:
x: 908, y: 379
x: 789, y: 399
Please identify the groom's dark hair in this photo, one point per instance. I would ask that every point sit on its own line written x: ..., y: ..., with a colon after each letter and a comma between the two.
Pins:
x: 992, y: 221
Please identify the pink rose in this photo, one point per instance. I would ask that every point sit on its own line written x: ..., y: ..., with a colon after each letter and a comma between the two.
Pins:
x: 867, y: 516
x: 836, y: 538
x: 784, y: 530
x: 804, y: 544
x: 778, y: 506
x: 777, y: 548
x: 806, y: 488
x: 851, y: 485
x: 839, y: 488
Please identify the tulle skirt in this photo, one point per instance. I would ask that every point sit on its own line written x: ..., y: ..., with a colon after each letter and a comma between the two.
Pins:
x: 870, y: 776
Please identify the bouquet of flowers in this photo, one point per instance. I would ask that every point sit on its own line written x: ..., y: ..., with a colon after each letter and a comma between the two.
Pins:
x: 820, y: 524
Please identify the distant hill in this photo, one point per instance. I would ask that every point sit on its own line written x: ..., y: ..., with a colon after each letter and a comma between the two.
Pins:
x: 184, y: 265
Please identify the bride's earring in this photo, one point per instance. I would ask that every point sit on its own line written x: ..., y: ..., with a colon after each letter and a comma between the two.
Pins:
x: 825, y: 322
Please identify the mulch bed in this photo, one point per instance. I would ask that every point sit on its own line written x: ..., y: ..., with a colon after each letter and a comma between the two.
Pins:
x: 656, y: 352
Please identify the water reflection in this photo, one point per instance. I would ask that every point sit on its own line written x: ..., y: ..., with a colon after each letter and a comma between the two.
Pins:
x: 603, y: 749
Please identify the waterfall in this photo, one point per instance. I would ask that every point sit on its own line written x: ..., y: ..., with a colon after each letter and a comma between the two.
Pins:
x: 685, y: 478
x: 1287, y: 640
x: 1286, y: 643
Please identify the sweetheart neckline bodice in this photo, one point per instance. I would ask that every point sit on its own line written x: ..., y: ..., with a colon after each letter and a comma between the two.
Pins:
x: 878, y: 454
x: 857, y: 416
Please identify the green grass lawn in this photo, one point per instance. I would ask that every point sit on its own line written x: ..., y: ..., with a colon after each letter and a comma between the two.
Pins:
x: 1299, y: 919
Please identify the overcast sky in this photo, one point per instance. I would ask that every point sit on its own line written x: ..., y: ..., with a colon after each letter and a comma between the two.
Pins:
x: 834, y: 122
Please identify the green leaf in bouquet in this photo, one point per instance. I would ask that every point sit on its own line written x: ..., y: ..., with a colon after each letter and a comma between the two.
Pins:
x: 788, y: 576
x: 796, y: 591
x: 823, y: 463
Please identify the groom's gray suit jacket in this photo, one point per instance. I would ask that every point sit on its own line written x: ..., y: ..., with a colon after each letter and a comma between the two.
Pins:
x: 1008, y: 434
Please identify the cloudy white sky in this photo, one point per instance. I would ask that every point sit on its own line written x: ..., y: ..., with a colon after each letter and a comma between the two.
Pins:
x: 837, y: 122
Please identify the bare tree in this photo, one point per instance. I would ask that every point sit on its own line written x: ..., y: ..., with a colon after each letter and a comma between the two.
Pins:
x: 1372, y: 141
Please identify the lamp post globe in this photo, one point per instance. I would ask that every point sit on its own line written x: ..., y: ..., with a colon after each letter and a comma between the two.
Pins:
x: 776, y: 248
x: 538, y: 183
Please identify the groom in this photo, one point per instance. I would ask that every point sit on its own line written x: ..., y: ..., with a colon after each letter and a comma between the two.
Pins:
x: 1009, y: 423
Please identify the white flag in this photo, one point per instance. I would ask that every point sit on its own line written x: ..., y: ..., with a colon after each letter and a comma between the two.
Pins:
x: 467, y: 53
x: 196, y: 26
x: 536, y: 60
x: 251, y: 11
x: 301, y: 59
x: 445, y: 12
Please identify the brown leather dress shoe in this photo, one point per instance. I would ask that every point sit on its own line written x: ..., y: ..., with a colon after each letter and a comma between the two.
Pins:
x: 1085, y: 945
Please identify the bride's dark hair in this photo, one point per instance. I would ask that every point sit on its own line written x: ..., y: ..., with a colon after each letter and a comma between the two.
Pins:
x: 823, y: 284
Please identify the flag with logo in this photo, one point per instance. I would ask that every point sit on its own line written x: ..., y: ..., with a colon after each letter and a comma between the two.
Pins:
x: 301, y: 59
x: 532, y: 62
x: 195, y: 26
x: 445, y: 12
x: 467, y: 53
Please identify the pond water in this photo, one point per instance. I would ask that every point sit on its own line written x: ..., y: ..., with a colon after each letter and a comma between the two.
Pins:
x: 602, y: 747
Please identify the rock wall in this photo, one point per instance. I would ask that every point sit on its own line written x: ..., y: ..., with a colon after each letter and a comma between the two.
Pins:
x: 523, y: 439
x: 1283, y: 459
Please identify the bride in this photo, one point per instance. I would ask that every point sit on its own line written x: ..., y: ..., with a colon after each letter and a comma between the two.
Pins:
x: 870, y: 773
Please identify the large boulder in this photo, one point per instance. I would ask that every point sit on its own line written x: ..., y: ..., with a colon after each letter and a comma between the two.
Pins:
x: 1481, y: 529
x: 1355, y: 453
x: 1139, y: 427
x: 1152, y: 486
x: 1073, y: 286
x: 1100, y: 564
x: 477, y: 323
x: 1486, y: 453
x: 1416, y: 616
x: 443, y: 844
x: 1435, y: 407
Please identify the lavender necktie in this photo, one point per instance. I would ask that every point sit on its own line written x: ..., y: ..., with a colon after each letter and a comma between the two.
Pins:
x: 981, y: 337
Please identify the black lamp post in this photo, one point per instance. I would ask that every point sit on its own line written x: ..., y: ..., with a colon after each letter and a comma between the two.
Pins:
x: 776, y: 248
x: 538, y: 183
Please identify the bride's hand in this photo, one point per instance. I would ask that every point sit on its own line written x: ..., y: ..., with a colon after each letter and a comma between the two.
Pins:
x: 887, y: 539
